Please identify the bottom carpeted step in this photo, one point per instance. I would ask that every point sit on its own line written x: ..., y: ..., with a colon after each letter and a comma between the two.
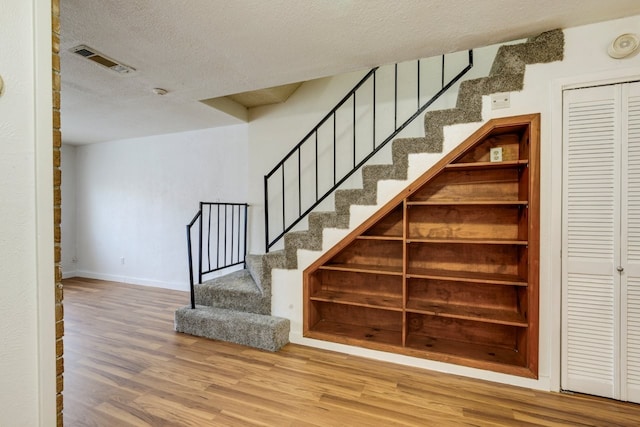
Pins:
x: 250, y: 329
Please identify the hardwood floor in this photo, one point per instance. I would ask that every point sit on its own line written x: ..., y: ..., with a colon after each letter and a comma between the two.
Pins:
x: 125, y: 366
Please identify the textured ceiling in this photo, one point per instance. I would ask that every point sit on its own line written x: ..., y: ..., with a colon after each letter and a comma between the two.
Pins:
x: 201, y: 49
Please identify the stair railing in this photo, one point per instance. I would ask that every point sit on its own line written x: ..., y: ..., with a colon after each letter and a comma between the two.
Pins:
x: 222, y: 239
x: 299, y: 170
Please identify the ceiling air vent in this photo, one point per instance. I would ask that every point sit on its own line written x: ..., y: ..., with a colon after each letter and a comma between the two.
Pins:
x: 97, y: 57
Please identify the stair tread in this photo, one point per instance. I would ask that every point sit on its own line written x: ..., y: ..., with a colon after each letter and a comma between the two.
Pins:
x: 238, y: 281
x: 233, y: 315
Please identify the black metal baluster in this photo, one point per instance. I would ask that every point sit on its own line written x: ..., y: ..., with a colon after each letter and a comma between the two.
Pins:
x: 200, y: 247
x: 217, y: 235
x: 209, y: 240
x: 266, y: 213
x: 244, y: 245
x: 239, y: 222
x: 418, y: 80
x: 316, y: 165
x: 283, y: 194
x: 354, y: 129
x: 299, y: 183
x: 334, y: 148
x: 395, y: 98
x: 190, y: 262
x: 224, y: 254
x: 233, y: 227
x: 374, y: 110
x: 197, y: 217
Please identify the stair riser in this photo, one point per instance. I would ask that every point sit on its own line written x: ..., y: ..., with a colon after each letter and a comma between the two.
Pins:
x: 252, y: 330
x: 228, y: 299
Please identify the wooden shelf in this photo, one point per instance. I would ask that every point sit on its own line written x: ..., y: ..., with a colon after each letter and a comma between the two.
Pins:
x: 448, y: 269
x: 363, y: 268
x: 386, y: 302
x: 372, y: 237
x: 465, y: 350
x: 478, y: 314
x: 470, y: 241
x: 465, y: 276
x: 487, y: 165
x: 350, y: 334
x: 481, y: 223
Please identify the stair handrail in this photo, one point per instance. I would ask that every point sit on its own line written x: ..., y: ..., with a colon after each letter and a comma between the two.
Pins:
x: 376, y: 148
x: 233, y: 218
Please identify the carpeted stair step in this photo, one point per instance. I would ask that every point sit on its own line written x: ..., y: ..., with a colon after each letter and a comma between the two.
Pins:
x: 260, y: 267
x: 322, y: 220
x: 234, y: 291
x: 250, y: 329
x: 371, y: 174
x: 274, y: 259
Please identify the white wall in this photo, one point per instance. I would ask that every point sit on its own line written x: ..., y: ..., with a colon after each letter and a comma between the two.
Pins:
x: 27, y: 335
x: 134, y: 198
x: 586, y: 62
x: 69, y: 220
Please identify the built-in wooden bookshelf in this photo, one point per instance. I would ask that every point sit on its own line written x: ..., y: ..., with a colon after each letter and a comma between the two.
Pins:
x: 448, y: 269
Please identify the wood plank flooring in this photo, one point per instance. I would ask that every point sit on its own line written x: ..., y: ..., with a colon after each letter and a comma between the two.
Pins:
x: 125, y: 366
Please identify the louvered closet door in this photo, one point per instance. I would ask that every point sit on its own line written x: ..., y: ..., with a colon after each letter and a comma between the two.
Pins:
x: 601, y: 241
x: 591, y: 230
x: 630, y: 277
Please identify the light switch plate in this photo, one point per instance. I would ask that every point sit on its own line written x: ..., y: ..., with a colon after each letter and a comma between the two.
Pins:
x: 500, y: 100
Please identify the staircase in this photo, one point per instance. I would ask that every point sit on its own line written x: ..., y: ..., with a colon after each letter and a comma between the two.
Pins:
x: 237, y: 307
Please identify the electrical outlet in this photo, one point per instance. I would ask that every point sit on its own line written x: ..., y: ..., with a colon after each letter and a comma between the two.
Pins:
x: 500, y: 100
x: 496, y: 154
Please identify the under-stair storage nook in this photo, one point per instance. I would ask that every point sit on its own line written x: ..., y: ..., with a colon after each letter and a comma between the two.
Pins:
x: 448, y: 269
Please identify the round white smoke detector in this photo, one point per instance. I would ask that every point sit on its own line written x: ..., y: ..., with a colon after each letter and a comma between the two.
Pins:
x: 623, y: 46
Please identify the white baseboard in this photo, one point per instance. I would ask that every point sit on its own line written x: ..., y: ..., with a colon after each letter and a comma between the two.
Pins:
x: 69, y: 274
x: 178, y: 286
